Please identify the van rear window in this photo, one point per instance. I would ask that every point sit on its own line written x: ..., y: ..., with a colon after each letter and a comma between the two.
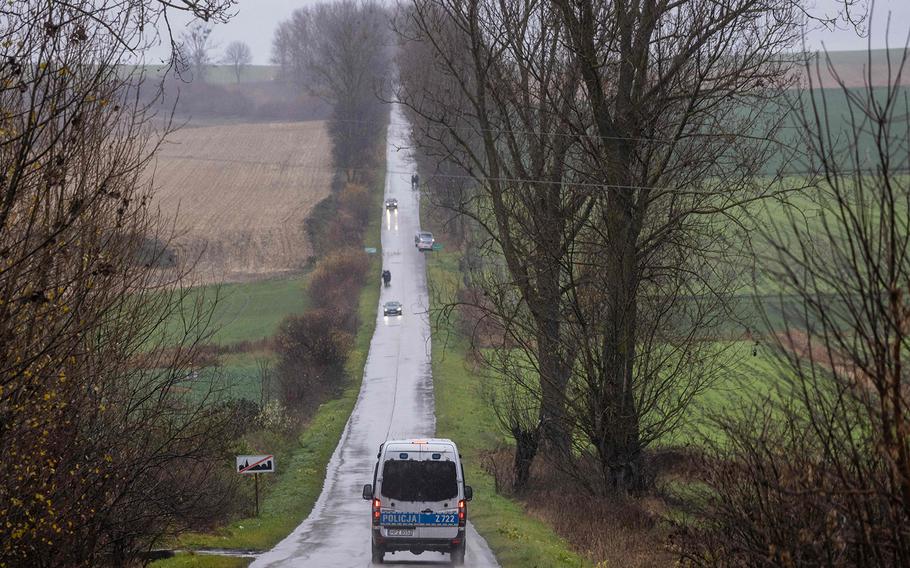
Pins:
x: 419, y: 480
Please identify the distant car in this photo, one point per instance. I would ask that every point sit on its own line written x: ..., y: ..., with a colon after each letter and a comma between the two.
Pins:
x: 392, y: 308
x: 424, y: 240
x: 391, y: 203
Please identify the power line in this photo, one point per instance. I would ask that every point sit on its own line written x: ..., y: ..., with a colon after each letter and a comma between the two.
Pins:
x: 442, y: 127
x: 432, y: 176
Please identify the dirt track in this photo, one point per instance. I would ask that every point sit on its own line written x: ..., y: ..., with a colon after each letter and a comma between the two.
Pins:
x: 241, y: 192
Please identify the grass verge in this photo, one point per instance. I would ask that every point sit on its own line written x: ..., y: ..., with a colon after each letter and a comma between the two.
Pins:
x: 191, y: 560
x: 462, y: 414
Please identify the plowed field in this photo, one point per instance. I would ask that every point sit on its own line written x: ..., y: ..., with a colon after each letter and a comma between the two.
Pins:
x: 241, y: 193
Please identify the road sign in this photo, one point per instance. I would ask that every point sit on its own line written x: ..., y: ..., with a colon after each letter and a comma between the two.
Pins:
x: 437, y: 246
x: 256, y: 464
x: 369, y: 250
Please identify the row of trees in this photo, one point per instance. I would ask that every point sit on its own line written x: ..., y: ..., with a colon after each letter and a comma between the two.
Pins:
x: 342, y: 52
x: 194, y: 53
x: 339, y: 52
x: 104, y: 453
x: 613, y: 150
x: 613, y: 146
x: 314, y: 347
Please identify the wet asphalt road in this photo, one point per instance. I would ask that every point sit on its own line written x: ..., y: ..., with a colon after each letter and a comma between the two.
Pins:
x: 396, y: 400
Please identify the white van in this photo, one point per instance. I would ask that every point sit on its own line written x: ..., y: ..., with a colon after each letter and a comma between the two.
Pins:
x: 419, y: 499
x: 424, y: 240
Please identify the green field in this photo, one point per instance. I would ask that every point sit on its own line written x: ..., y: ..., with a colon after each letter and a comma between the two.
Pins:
x: 218, y: 74
x: 191, y: 560
x: 224, y: 74
x: 239, y: 375
x: 248, y: 311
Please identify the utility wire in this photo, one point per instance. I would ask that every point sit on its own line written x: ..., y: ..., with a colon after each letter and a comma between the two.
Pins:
x: 431, y: 176
x: 556, y: 134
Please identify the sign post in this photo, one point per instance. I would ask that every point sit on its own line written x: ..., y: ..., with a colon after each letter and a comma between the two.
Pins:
x: 255, y: 465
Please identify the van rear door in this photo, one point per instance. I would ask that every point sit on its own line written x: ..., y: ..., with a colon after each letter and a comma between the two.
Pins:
x: 400, y: 514
x: 441, y: 492
x: 421, y: 489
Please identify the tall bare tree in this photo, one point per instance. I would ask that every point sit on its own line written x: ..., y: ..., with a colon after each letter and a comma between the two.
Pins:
x: 341, y: 51
x: 608, y: 141
x: 238, y: 55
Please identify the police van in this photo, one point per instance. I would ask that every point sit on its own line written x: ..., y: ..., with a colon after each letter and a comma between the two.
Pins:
x: 419, y: 499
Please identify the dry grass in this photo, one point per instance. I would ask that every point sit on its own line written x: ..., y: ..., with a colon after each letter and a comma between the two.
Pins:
x: 241, y: 193
x: 610, y: 531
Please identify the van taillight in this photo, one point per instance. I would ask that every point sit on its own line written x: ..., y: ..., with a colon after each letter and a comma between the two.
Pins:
x: 377, y: 505
x: 462, y: 512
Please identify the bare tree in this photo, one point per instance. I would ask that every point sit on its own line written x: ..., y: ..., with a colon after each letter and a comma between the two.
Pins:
x: 606, y: 141
x: 238, y: 55
x: 93, y: 418
x: 341, y: 51
x: 821, y: 474
x: 195, y: 50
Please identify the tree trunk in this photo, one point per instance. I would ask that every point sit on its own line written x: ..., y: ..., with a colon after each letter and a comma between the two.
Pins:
x: 526, y: 444
x: 619, y: 448
x: 554, y: 375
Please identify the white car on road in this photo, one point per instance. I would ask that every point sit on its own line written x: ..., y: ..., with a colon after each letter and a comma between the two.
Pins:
x: 418, y: 499
x: 424, y: 240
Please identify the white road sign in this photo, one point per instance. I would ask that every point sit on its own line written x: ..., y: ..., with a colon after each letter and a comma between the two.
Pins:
x: 256, y: 464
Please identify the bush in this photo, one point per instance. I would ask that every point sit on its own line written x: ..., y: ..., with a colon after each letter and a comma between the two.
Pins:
x: 274, y: 417
x: 312, y: 351
x: 771, y: 497
x: 338, y: 221
x: 628, y: 531
x: 336, y: 282
x: 354, y: 200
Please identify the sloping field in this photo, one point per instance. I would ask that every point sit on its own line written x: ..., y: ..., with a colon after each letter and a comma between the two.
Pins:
x: 241, y: 193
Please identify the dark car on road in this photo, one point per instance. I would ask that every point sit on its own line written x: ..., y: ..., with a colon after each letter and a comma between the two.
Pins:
x: 392, y: 308
x: 391, y: 203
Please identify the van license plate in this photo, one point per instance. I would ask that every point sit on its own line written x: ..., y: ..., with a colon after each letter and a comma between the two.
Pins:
x: 401, y: 532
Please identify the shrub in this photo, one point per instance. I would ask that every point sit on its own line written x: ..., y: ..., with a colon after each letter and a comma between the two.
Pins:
x: 274, y: 417
x: 354, y: 200
x: 336, y: 282
x: 312, y: 351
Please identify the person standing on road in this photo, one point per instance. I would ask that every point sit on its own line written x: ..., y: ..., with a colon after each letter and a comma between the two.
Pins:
x: 415, y: 181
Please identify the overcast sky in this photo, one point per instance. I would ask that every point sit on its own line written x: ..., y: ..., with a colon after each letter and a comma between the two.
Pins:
x: 256, y: 21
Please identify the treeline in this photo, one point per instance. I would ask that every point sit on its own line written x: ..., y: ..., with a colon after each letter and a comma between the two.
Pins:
x: 313, y: 347
x: 589, y: 156
x: 341, y: 52
x: 601, y: 161
x: 102, y: 457
x: 266, y: 101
